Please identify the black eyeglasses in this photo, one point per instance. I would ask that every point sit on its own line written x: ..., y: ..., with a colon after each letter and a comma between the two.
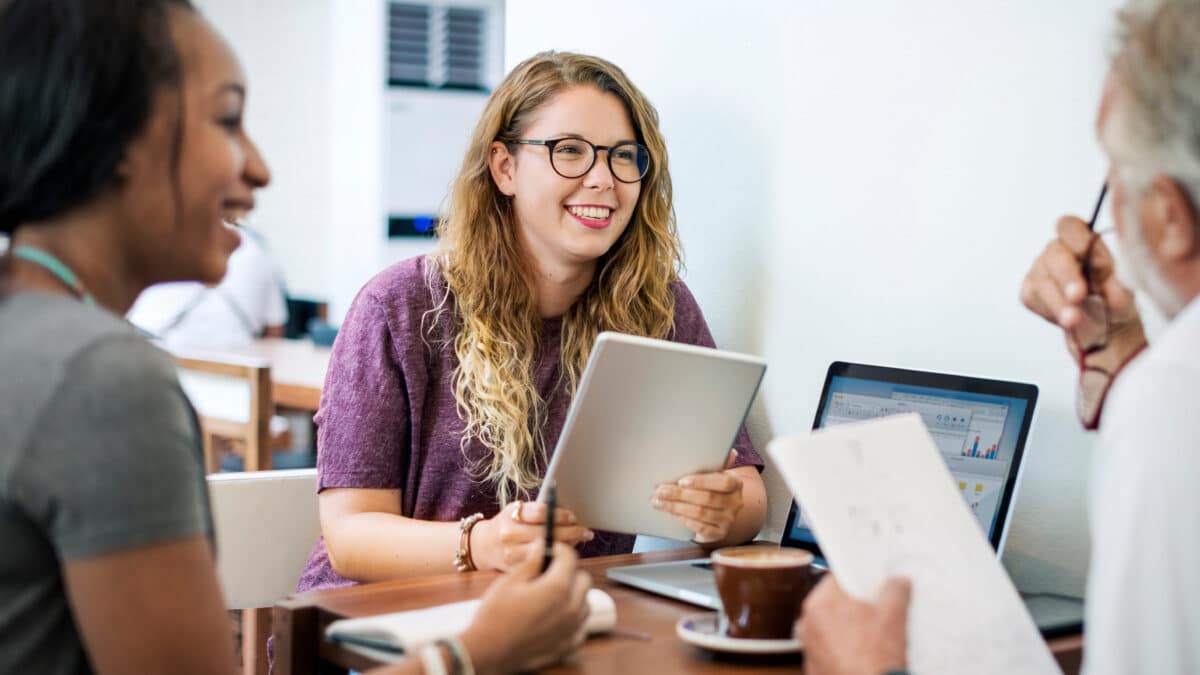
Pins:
x: 1092, y: 335
x: 574, y: 157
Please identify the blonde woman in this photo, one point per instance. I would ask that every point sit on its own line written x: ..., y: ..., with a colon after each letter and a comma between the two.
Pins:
x: 452, y: 375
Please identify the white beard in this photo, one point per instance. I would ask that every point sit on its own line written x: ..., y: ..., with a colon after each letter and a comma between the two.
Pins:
x: 1140, y: 268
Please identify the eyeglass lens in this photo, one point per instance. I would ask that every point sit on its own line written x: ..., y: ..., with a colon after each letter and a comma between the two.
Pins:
x: 1093, y: 384
x: 1092, y: 332
x: 573, y: 158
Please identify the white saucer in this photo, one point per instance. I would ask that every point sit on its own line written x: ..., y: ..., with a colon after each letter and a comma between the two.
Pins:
x: 705, y: 630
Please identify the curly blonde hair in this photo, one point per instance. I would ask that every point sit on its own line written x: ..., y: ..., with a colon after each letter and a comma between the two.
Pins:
x: 494, y: 309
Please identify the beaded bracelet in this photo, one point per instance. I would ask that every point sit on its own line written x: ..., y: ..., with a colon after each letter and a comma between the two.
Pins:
x: 462, y: 557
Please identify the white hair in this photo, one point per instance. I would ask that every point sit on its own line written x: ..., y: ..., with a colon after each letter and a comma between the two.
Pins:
x: 1154, y: 127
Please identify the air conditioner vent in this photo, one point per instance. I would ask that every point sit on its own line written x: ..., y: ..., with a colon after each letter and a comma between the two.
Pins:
x: 436, y: 46
x: 464, y: 48
x: 408, y: 44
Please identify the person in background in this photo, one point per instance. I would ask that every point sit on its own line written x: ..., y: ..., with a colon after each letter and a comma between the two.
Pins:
x: 452, y: 374
x: 1143, y: 600
x: 247, y: 304
x: 124, y: 155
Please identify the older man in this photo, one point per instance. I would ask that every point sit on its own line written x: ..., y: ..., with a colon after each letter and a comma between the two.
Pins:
x: 1143, y: 599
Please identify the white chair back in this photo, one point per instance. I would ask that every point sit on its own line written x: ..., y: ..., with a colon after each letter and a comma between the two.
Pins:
x: 266, y: 524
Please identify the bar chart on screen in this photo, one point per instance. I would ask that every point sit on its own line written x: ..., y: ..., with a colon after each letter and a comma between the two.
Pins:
x: 983, y: 435
x: 973, y: 450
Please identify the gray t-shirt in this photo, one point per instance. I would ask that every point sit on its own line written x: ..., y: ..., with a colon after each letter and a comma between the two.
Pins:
x: 99, y: 452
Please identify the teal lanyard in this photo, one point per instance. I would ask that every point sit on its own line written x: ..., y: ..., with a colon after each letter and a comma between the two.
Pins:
x: 56, y: 267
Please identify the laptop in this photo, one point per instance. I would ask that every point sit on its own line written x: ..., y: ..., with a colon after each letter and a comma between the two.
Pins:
x: 979, y: 425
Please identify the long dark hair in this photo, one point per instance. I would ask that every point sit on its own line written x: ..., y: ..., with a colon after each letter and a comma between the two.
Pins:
x: 77, y: 83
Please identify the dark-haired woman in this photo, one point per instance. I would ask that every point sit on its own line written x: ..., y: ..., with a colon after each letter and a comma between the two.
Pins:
x: 123, y: 157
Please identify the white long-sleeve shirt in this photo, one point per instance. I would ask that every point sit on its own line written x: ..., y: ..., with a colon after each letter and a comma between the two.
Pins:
x: 1143, y: 593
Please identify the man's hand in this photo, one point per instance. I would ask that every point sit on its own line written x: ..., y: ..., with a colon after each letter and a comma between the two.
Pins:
x: 845, y: 636
x: 1054, y: 289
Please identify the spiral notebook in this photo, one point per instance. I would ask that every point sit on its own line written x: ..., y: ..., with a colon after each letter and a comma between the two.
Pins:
x: 386, y: 637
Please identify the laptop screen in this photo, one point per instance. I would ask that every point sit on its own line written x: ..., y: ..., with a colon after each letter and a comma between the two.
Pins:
x: 978, y: 425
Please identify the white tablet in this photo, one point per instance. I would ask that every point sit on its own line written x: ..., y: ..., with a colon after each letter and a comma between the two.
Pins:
x: 647, y: 412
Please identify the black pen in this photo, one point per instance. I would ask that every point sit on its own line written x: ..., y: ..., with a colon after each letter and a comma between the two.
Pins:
x: 551, y: 503
x: 1096, y: 211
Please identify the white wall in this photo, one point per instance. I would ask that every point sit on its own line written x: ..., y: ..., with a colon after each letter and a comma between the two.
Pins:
x: 286, y: 51
x: 869, y: 181
x: 354, y: 237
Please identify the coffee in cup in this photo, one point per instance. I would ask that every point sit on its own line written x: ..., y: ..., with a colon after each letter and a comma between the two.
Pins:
x: 762, y: 588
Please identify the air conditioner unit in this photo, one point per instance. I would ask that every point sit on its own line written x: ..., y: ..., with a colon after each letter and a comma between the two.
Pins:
x: 443, y: 58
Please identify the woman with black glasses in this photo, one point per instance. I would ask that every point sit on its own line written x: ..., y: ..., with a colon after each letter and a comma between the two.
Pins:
x: 453, y: 372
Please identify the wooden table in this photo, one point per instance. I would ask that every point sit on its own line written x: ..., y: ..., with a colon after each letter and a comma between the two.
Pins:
x: 297, y: 369
x: 300, y: 621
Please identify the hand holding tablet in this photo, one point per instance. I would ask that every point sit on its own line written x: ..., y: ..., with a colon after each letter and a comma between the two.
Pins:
x: 705, y: 503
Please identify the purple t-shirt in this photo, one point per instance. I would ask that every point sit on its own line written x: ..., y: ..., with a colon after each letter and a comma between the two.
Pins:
x: 388, y: 418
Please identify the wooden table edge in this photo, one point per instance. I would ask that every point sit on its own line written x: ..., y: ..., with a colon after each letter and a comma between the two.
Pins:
x: 299, y: 621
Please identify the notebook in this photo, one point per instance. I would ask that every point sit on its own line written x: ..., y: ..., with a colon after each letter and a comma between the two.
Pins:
x: 386, y: 637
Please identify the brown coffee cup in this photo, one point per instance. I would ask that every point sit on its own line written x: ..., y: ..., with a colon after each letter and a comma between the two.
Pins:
x: 762, y: 588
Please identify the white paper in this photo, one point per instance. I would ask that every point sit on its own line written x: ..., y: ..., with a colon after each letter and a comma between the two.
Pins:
x: 412, y: 629
x: 882, y: 503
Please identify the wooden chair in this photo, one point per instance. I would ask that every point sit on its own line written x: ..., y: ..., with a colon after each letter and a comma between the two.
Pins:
x: 232, y: 395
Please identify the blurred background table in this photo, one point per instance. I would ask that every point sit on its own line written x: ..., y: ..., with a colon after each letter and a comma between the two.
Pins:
x: 297, y: 370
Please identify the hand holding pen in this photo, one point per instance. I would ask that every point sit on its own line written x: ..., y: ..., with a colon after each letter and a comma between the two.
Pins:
x: 1075, y: 261
x: 503, y: 541
x: 1073, y: 284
